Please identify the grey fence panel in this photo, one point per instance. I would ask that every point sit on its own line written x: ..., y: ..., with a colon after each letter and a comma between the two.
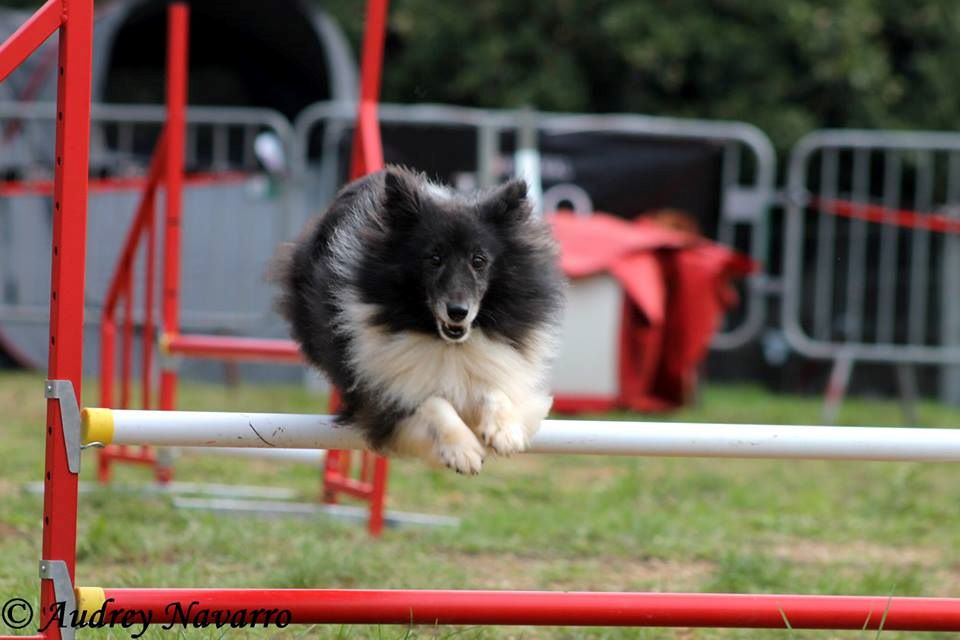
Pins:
x: 231, y: 228
x: 747, y: 183
x: 870, y: 288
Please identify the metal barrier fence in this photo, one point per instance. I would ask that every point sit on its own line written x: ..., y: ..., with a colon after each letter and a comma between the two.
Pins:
x: 231, y: 231
x: 871, y: 251
x: 235, y: 213
x: 746, y: 194
x: 870, y: 243
x: 747, y: 160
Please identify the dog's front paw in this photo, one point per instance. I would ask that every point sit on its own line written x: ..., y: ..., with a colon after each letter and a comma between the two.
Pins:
x: 464, y: 457
x: 500, y: 428
x: 505, y: 438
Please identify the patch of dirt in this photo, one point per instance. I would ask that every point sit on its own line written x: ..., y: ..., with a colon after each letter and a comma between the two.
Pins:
x: 511, y: 571
x: 943, y: 576
x: 7, y: 530
x: 7, y: 488
x: 856, y: 552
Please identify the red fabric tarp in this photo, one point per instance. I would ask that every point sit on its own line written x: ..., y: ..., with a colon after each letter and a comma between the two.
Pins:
x: 677, y: 286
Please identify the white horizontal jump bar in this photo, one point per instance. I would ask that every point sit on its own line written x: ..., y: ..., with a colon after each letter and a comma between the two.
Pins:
x: 297, y: 456
x: 679, y: 439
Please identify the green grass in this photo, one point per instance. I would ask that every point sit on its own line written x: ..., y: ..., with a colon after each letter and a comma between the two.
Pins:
x: 531, y: 522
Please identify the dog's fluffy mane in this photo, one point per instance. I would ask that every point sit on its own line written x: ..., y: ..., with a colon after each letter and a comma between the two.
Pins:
x: 351, y: 293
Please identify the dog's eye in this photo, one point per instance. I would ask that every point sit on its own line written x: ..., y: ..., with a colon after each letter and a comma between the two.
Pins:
x: 436, y: 260
x: 478, y: 261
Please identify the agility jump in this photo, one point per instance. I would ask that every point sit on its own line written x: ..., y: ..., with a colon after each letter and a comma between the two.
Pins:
x: 62, y: 429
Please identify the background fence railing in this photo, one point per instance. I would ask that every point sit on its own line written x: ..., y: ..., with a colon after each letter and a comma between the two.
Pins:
x: 868, y: 248
x: 477, y: 147
x: 872, y: 252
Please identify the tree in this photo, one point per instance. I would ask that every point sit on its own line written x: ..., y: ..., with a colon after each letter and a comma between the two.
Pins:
x: 787, y: 66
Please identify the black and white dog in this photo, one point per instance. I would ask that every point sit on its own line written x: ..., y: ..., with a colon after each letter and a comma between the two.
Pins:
x: 435, y: 313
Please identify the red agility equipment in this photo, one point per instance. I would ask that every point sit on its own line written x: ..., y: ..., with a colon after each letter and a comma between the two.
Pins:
x: 167, y: 172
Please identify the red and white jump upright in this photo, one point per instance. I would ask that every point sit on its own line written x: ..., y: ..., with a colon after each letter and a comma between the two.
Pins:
x: 67, y: 429
x: 369, y: 482
x: 74, y: 20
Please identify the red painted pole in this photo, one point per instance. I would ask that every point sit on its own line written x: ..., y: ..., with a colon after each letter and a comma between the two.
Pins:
x: 132, y: 240
x: 233, y: 348
x: 378, y: 494
x: 33, y: 33
x: 148, y: 339
x: 108, y: 337
x: 67, y: 281
x: 13, y: 188
x: 332, y: 474
x: 434, y: 607
x: 178, y: 16
x: 122, y: 280
x: 366, y: 157
x: 367, y: 152
x: 126, y: 341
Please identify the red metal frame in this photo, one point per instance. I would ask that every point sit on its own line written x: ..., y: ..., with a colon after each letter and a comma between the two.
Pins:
x: 67, y: 276
x: 366, y: 157
x: 121, y: 287
x: 232, y: 348
x: 177, y: 70
x: 34, y: 32
x: 367, y: 152
x: 349, y: 606
x: 100, y: 185
x: 167, y: 165
x: 74, y: 19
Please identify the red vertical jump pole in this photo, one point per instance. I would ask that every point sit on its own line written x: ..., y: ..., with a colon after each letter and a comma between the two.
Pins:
x: 366, y: 157
x: 178, y: 17
x: 367, y: 152
x: 74, y: 19
x: 126, y: 343
x: 149, y: 339
x: 71, y: 174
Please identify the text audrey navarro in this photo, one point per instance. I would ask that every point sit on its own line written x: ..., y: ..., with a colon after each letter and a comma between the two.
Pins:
x: 175, y: 614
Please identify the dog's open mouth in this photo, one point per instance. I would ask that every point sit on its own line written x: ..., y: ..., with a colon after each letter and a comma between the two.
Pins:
x: 453, y: 332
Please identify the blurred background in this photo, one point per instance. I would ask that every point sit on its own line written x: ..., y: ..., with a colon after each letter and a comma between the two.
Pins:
x: 722, y: 106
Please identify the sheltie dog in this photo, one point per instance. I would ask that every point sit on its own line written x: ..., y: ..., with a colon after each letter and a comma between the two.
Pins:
x: 435, y: 313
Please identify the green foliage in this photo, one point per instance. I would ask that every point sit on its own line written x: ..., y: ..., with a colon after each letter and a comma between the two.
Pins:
x: 787, y: 66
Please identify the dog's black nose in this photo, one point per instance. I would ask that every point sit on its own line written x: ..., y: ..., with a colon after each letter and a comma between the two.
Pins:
x: 456, y: 312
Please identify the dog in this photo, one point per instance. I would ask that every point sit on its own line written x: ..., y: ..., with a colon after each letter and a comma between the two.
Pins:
x: 436, y: 314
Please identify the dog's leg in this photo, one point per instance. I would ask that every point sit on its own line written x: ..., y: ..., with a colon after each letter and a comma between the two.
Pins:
x: 437, y: 434
x: 534, y: 410
x: 501, y: 427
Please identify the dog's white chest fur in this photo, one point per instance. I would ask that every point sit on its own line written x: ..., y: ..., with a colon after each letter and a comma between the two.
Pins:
x: 409, y: 368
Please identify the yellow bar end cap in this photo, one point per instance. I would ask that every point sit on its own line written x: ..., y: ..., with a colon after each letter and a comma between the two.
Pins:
x: 96, y: 425
x: 89, y: 599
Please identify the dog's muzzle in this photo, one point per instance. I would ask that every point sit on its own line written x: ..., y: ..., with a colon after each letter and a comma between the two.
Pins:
x: 453, y: 321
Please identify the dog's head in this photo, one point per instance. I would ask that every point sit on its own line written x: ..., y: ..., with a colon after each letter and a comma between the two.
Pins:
x: 452, y: 244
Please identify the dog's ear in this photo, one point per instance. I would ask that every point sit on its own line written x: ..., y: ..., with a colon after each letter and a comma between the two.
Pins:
x: 507, y: 204
x: 401, y: 199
